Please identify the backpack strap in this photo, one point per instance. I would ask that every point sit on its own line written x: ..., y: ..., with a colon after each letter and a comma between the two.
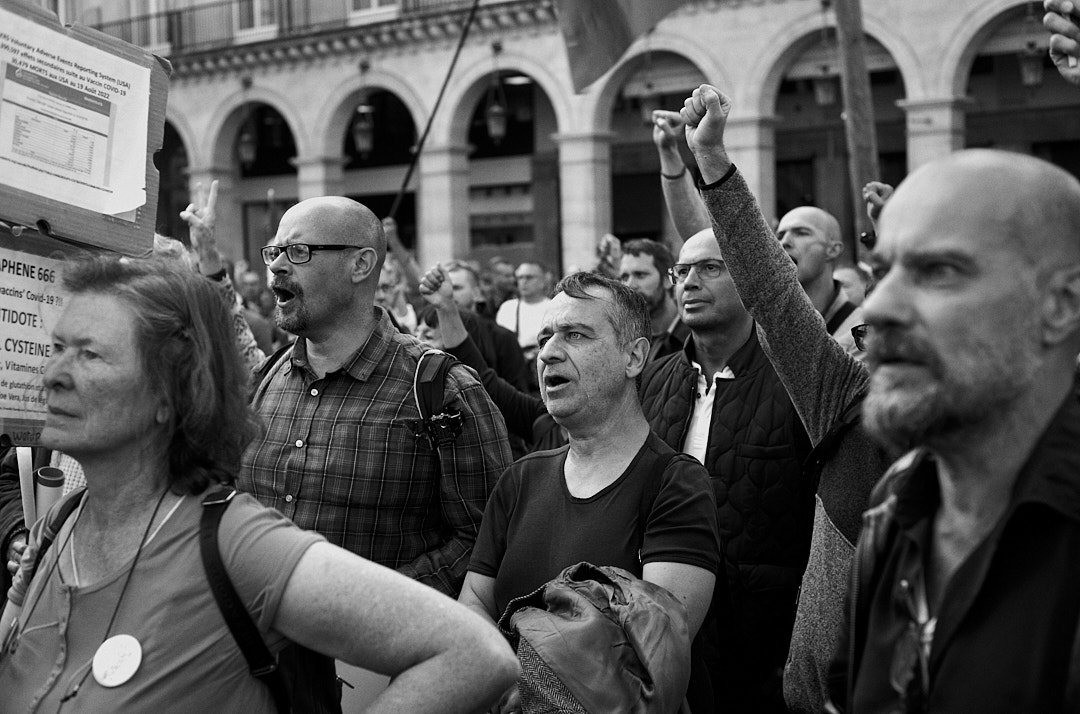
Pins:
x: 839, y: 316
x: 52, y: 527
x: 439, y: 426
x: 261, y: 662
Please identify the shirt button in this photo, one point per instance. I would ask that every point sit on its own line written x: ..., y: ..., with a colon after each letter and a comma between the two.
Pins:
x: 314, y: 392
x: 289, y: 498
x: 299, y: 442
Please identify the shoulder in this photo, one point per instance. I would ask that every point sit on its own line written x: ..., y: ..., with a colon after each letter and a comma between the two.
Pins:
x: 665, y: 366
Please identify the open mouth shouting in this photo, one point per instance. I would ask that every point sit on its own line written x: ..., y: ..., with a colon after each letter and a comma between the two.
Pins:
x: 554, y: 382
x: 285, y: 293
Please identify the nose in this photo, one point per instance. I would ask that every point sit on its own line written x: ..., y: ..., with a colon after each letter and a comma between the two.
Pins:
x: 889, y: 303
x: 692, y: 281
x: 57, y: 375
x: 551, y: 351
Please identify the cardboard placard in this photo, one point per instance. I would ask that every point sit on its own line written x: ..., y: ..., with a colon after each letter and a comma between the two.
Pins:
x: 81, y: 116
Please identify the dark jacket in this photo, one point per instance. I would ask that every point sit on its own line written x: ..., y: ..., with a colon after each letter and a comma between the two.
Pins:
x: 1007, y: 622
x: 765, y: 507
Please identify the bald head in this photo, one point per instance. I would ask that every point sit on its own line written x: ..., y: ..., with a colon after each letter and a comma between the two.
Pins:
x: 336, y: 219
x: 811, y: 238
x: 1013, y: 196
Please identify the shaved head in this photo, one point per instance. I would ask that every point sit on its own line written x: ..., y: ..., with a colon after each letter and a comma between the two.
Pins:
x: 340, y: 220
x: 976, y: 315
x: 823, y: 220
x: 1037, y: 203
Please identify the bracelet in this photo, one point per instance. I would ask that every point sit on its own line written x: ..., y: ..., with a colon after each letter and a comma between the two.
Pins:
x: 674, y: 177
x: 702, y: 186
x: 218, y: 276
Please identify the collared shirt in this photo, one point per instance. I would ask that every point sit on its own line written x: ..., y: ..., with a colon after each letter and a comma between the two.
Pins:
x: 1007, y: 617
x: 842, y: 334
x: 339, y: 456
x: 697, y: 433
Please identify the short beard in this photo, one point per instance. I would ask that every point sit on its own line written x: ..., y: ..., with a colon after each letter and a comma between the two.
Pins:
x: 976, y: 388
x: 295, y: 323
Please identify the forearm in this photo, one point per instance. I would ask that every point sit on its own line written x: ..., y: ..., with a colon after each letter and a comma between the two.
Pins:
x: 818, y: 375
x: 245, y: 340
x: 685, y: 207
x: 519, y: 410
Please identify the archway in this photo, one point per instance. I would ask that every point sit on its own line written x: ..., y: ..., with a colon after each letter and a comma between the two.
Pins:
x: 1018, y: 101
x: 811, y: 152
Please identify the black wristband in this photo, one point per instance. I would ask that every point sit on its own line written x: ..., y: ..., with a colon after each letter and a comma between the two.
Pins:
x: 674, y: 177
x: 21, y: 531
x: 218, y: 276
x: 702, y: 186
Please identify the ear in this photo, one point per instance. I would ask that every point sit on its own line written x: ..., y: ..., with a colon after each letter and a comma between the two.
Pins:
x: 637, y: 354
x: 363, y: 264
x: 834, y: 249
x: 161, y: 416
x: 1061, y: 306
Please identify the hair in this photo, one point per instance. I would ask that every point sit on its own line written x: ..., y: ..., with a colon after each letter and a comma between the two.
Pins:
x: 627, y: 309
x: 187, y: 348
x: 455, y: 265
x: 661, y: 256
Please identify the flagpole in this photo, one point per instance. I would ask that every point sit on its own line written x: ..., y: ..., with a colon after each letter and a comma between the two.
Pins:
x: 860, y: 131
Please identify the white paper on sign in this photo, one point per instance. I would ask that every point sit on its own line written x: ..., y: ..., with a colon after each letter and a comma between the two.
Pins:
x: 72, y: 119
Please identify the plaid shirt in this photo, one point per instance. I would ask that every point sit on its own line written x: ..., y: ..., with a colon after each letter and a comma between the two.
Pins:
x: 338, y: 457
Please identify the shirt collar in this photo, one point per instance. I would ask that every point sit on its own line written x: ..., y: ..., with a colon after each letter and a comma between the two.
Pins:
x: 840, y: 297
x: 1049, y: 477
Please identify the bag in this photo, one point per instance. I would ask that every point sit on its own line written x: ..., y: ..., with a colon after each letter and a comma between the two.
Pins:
x: 598, y: 640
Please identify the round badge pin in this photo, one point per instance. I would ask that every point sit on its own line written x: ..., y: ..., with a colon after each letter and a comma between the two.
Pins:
x: 117, y: 660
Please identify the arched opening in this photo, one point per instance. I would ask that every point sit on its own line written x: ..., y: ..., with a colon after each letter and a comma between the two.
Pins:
x: 811, y: 151
x: 264, y: 152
x: 172, y: 165
x: 378, y: 145
x: 1018, y: 101
x: 661, y: 80
x: 513, y: 171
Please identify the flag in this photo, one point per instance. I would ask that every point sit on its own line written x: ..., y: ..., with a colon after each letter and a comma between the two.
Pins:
x: 598, y: 32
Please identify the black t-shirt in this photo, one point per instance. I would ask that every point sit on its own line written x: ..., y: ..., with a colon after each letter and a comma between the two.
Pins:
x: 533, y: 527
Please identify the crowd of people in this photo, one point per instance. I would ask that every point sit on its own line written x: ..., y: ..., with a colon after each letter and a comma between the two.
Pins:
x: 847, y: 487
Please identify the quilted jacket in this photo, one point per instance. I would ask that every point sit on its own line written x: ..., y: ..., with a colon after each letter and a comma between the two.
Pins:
x: 765, y: 506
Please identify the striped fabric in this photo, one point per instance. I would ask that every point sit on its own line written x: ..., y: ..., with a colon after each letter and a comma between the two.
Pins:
x: 339, y: 456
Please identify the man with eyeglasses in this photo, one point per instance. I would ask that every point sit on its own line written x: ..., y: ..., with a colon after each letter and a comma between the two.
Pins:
x: 719, y: 400
x: 341, y: 453
x: 825, y: 383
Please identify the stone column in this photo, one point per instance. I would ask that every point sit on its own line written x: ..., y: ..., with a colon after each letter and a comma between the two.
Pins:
x: 585, y: 195
x: 318, y: 176
x: 751, y: 144
x: 443, y: 205
x: 935, y: 127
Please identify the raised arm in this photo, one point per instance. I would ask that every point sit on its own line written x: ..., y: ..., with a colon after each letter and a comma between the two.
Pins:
x: 821, y: 378
x: 442, y: 656
x: 201, y: 217
x: 518, y: 408
x: 683, y: 203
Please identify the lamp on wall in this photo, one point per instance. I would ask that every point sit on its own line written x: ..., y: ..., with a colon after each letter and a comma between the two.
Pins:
x: 824, y: 88
x: 247, y: 145
x: 495, y: 111
x: 363, y: 126
x: 650, y: 100
x: 1031, y: 65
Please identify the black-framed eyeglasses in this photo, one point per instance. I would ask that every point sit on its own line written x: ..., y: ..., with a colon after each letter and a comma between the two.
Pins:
x: 706, y: 269
x: 298, y: 253
x: 859, y: 333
